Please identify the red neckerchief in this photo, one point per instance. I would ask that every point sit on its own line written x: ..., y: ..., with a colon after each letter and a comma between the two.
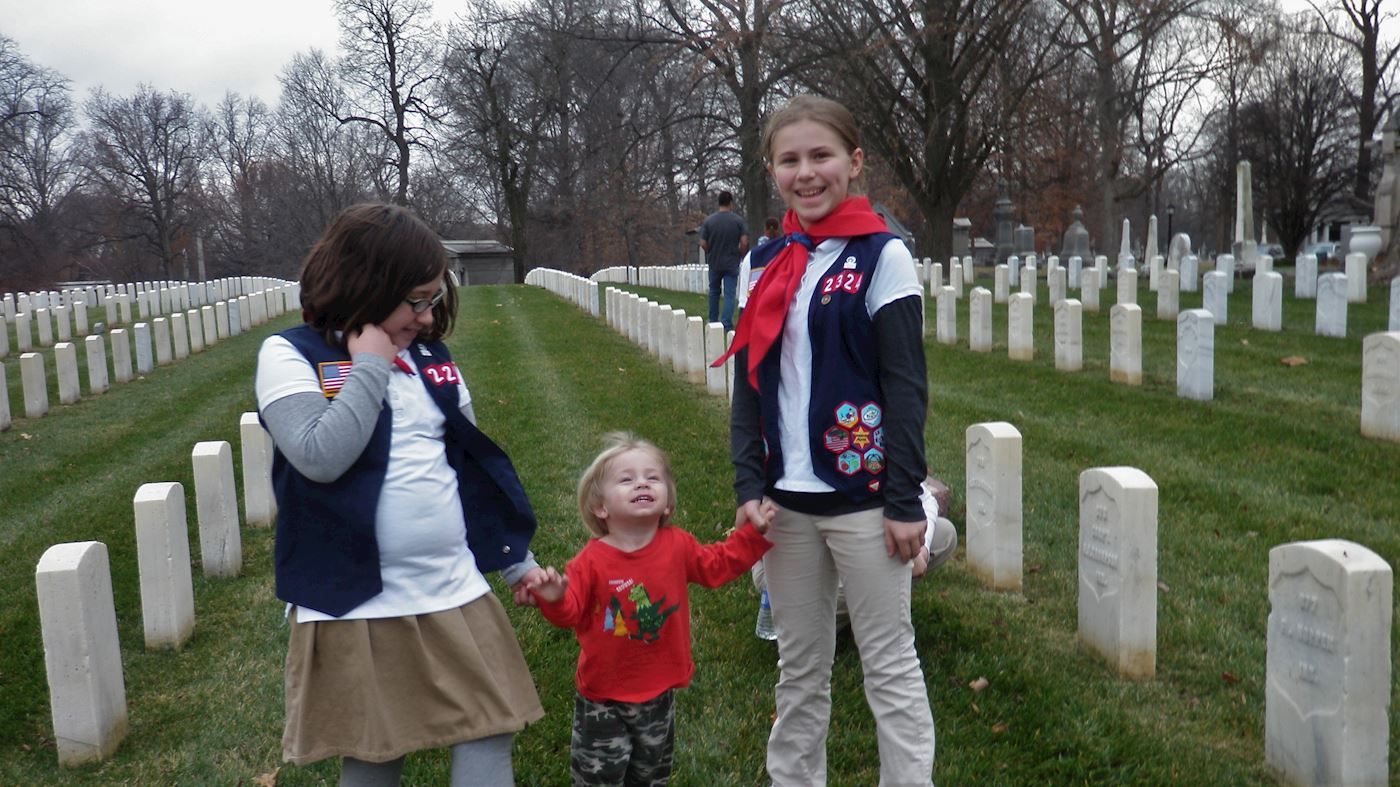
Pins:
x: 762, y: 321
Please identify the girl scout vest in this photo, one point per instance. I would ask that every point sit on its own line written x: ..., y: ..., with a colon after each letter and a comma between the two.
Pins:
x: 326, y: 555
x: 846, y: 407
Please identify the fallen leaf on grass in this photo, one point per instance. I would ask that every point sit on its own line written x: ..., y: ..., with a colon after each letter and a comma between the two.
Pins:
x: 978, y: 685
x: 1034, y: 569
x: 267, y: 779
x: 976, y: 709
x: 24, y: 436
x: 1245, y: 342
x: 1194, y: 702
x: 999, y: 728
x: 1162, y: 586
x: 1293, y: 360
x: 1229, y: 677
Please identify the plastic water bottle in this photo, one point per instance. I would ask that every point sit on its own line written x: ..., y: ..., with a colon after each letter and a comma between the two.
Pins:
x: 764, y: 628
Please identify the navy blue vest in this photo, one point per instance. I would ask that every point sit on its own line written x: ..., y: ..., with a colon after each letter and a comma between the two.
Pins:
x: 846, y: 408
x: 326, y: 554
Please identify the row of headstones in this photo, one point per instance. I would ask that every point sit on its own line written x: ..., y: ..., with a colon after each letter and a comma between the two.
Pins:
x: 1333, y: 291
x: 581, y: 291
x: 156, y: 344
x: 681, y: 278
x: 685, y: 344
x: 617, y: 274
x: 1195, y: 346
x: 64, y: 314
x: 87, y: 690
x: 1328, y: 643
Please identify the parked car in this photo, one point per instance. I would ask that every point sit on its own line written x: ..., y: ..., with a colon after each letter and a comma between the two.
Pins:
x: 1274, y: 250
x: 1324, y: 251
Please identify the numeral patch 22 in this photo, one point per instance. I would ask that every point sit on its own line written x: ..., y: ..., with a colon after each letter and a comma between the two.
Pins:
x: 442, y: 374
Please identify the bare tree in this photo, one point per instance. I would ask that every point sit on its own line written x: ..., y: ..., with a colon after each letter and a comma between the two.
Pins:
x: 1296, y: 132
x: 391, y: 53
x: 241, y: 137
x: 148, y: 150
x: 936, y: 85
x: 1356, y: 24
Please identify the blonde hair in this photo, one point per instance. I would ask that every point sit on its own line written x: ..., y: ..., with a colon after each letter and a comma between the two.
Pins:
x: 590, y: 484
x: 821, y: 110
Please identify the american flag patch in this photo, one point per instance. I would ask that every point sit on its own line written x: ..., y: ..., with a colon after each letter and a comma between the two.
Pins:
x: 333, y: 374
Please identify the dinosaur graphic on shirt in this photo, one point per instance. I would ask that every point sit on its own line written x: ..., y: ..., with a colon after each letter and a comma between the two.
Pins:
x: 649, y: 615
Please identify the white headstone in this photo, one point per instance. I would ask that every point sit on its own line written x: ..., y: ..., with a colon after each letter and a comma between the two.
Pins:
x: 1101, y: 267
x: 255, y: 449
x: 1089, y: 292
x: 65, y: 361
x: 1125, y: 344
x: 955, y: 278
x: 1328, y: 667
x: 80, y: 318
x: 141, y: 335
x: 35, y: 383
x: 161, y: 331
x: 1001, y: 289
x: 1127, y: 286
x: 1168, y: 295
x: 993, y: 528
x: 947, y: 319
x: 935, y: 281
x: 121, y: 356
x: 714, y: 348
x: 179, y: 336
x: 1195, y: 354
x: 1394, y: 324
x: 1225, y: 264
x: 1118, y: 568
x: 221, y: 320
x: 82, y: 655
x: 1020, y: 314
x: 1332, y: 305
x: 220, y: 543
x: 979, y: 322
x: 237, y: 314
x: 5, y: 419
x: 1215, y: 297
x: 96, y: 364
x: 1356, y: 277
x: 1189, y: 274
x: 1155, y: 264
x: 1076, y: 268
x: 1028, y: 283
x: 4, y: 339
x: 1013, y: 270
x: 1380, y: 386
x: 195, y: 325
x: 24, y: 342
x: 1055, y: 279
x: 211, y: 330
x: 1263, y: 263
x: 1305, y: 276
x: 163, y: 557
x: 1069, y: 335
x: 1268, y: 301
x: 61, y: 322
x: 695, y: 350
x: 44, y: 321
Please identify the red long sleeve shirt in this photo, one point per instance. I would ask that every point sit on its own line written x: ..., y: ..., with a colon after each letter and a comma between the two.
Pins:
x: 631, y: 613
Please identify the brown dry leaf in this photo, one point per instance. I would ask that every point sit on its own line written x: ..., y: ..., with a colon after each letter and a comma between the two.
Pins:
x: 1293, y: 360
x: 267, y: 779
x: 1229, y: 677
x: 976, y: 709
x: 979, y: 684
x: 999, y: 728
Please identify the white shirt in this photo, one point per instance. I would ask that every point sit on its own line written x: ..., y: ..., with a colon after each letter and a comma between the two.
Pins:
x: 424, y: 561
x: 895, y: 277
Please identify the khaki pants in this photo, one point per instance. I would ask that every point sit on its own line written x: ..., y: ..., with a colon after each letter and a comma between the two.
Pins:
x: 809, y: 555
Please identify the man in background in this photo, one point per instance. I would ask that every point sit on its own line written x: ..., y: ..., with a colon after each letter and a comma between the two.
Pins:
x: 724, y: 238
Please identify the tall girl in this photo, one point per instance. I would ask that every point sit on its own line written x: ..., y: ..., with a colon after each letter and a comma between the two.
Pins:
x: 828, y: 424
x: 391, y: 505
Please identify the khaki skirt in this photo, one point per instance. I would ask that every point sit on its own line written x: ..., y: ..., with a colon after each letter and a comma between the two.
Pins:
x: 380, y: 688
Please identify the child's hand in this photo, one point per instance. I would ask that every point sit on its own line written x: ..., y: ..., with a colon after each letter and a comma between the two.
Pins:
x: 551, y: 588
x: 759, y: 513
x: 520, y: 591
x: 370, y: 338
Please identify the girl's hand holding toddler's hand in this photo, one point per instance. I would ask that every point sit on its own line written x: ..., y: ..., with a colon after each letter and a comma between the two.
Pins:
x: 759, y: 513
x: 520, y: 591
x: 551, y: 588
x: 370, y: 338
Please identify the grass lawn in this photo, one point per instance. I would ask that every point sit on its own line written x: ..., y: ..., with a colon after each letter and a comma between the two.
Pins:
x: 1276, y: 457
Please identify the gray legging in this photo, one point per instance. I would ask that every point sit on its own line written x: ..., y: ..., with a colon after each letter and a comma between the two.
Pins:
x: 480, y: 763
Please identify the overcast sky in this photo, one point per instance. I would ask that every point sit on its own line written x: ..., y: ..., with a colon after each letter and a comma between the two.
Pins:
x: 200, y: 47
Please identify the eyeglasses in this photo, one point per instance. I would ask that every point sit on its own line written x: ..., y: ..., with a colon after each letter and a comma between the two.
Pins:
x: 420, y: 305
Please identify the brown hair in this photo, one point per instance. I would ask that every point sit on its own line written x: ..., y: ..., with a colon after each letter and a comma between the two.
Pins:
x: 829, y: 113
x: 590, y: 484
x: 365, y: 264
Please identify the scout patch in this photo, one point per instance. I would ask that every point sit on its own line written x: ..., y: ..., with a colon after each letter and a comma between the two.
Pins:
x: 846, y: 414
x: 442, y: 373
x: 874, y: 461
x: 836, y: 439
x: 844, y: 281
x: 332, y: 376
x: 878, y: 437
x: 870, y: 414
x: 860, y: 438
x: 848, y: 463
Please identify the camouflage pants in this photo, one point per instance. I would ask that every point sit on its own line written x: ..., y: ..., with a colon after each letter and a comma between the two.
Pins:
x: 623, y: 743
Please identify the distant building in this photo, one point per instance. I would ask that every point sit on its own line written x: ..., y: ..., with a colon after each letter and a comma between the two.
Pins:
x: 895, y: 226
x: 480, y: 261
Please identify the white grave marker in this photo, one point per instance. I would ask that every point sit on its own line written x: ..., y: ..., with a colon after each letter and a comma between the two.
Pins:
x: 1127, y: 285
x: 994, y: 504
x: 35, y: 383
x: 979, y: 325
x: 96, y: 364
x: 1118, y: 568
x: 1332, y: 305
x: 1168, y: 295
x: 1328, y: 665
x: 1380, y: 386
x: 1356, y: 277
x: 1125, y: 344
x: 1195, y: 354
x: 1215, y: 298
x: 1069, y: 335
x: 220, y: 543
x: 947, y: 319
x: 255, y: 448
x: 163, y: 558
x: 1268, y: 301
x: 141, y: 335
x: 87, y: 694
x: 121, y: 356
x: 65, y: 361
x: 1305, y: 276
x: 1001, y: 290
x: 1089, y: 293
x: 1020, y: 325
